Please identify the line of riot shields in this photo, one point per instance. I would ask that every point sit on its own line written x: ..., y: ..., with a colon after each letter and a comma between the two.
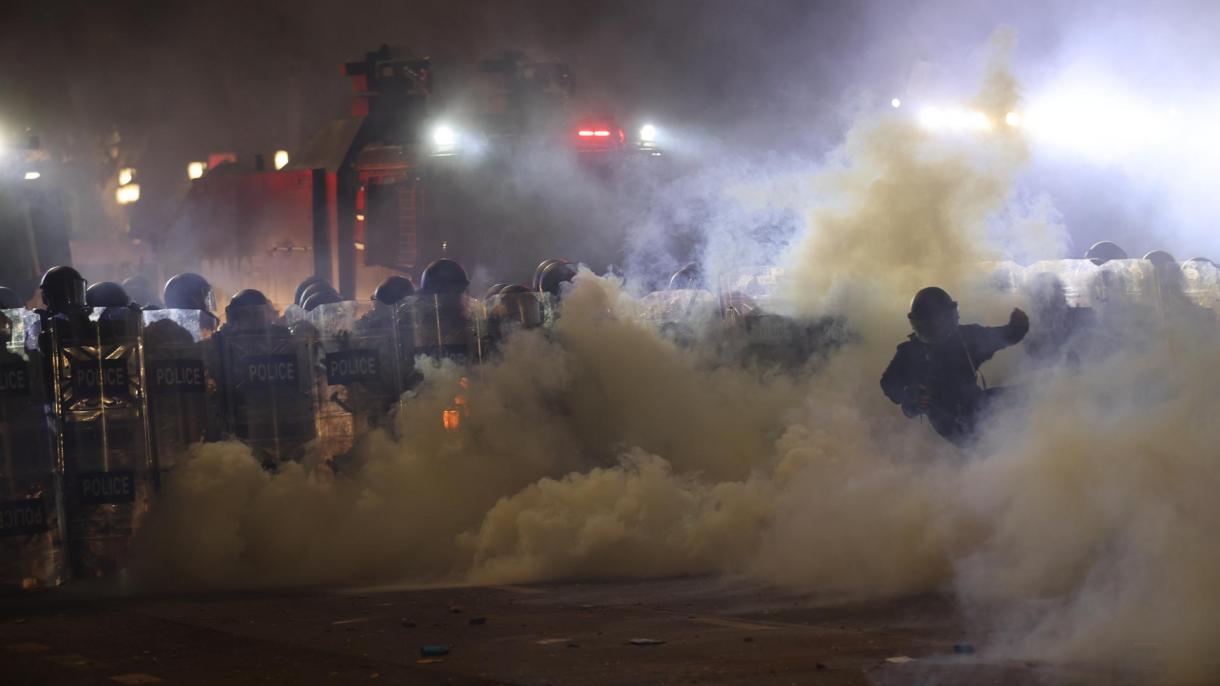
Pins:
x: 98, y: 408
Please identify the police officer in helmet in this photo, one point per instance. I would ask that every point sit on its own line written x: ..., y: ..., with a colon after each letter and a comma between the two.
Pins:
x: 936, y: 372
x: 63, y: 291
x: 443, y: 277
x: 554, y: 276
x: 393, y: 290
x: 189, y: 291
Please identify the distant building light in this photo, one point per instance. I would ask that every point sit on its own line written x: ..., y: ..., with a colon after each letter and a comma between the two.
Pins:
x: 895, y: 103
x: 195, y: 170
x: 126, y: 175
x: 32, y: 175
x: 128, y: 194
x: 281, y: 159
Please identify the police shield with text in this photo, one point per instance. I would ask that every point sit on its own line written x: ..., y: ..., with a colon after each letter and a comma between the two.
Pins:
x: 936, y: 372
x: 268, y: 384
x: 31, y: 541
x: 181, y: 367
x: 357, y: 371
x: 97, y: 391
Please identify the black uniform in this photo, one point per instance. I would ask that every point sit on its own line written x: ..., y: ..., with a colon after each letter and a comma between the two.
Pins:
x: 945, y: 374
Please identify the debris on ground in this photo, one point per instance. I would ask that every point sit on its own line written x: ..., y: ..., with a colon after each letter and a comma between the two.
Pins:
x: 478, y: 621
x: 552, y: 641
x: 899, y: 659
x: 963, y: 648
x: 434, y: 650
x: 646, y: 642
x: 430, y: 661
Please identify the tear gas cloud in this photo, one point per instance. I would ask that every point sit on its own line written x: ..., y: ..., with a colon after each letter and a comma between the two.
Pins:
x: 1078, y: 527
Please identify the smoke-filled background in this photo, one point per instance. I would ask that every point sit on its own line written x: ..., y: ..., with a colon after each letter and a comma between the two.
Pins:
x: 1125, y: 90
x: 1081, y: 526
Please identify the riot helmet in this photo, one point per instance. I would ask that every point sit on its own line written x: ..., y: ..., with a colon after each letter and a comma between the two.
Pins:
x: 1201, y: 260
x: 494, y: 290
x: 9, y: 300
x: 542, y: 267
x: 554, y: 276
x: 63, y: 290
x: 106, y: 294
x: 1160, y: 258
x: 320, y: 298
x: 248, y: 307
x: 443, y: 277
x: 189, y: 291
x: 1104, y: 251
x: 319, y: 287
x: 689, y: 276
x: 141, y: 291
x: 517, y: 303
x: 933, y: 315
x: 298, y: 297
x: 393, y: 289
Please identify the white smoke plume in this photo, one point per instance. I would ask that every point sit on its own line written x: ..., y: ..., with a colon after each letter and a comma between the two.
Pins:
x: 1080, y: 527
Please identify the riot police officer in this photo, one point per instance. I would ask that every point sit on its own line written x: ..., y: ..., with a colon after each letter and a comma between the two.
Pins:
x: 97, y: 404
x: 936, y: 372
x: 105, y: 294
x: 393, y: 290
x: 189, y: 291
x: 443, y: 323
x: 553, y: 277
x: 141, y: 292
x: 299, y: 296
x: 268, y: 380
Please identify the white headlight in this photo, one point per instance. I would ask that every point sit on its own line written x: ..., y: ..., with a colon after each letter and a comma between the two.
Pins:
x: 281, y: 159
x: 195, y: 170
x: 648, y: 133
x: 444, y: 136
x: 32, y: 175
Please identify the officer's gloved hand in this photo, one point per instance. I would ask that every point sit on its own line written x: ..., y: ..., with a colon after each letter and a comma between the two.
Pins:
x: 1018, y: 325
x: 915, y: 401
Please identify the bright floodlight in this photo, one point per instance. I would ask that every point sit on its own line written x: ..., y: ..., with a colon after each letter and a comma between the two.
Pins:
x: 128, y: 194
x: 194, y: 170
x: 281, y: 159
x: 126, y: 175
x: 895, y: 103
x: 648, y: 133
x: 979, y: 121
x: 443, y: 136
x: 1013, y: 119
x: 932, y: 118
x: 31, y: 175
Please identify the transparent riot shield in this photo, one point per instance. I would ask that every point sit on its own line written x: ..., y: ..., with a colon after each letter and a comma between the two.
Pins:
x: 99, y: 403
x: 1076, y: 276
x: 183, y: 384
x: 268, y: 384
x: 681, y: 315
x: 1201, y: 283
x: 31, y: 537
x: 357, y: 372
x: 446, y: 327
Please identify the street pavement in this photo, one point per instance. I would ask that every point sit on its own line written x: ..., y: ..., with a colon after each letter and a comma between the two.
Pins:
x: 697, y: 630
